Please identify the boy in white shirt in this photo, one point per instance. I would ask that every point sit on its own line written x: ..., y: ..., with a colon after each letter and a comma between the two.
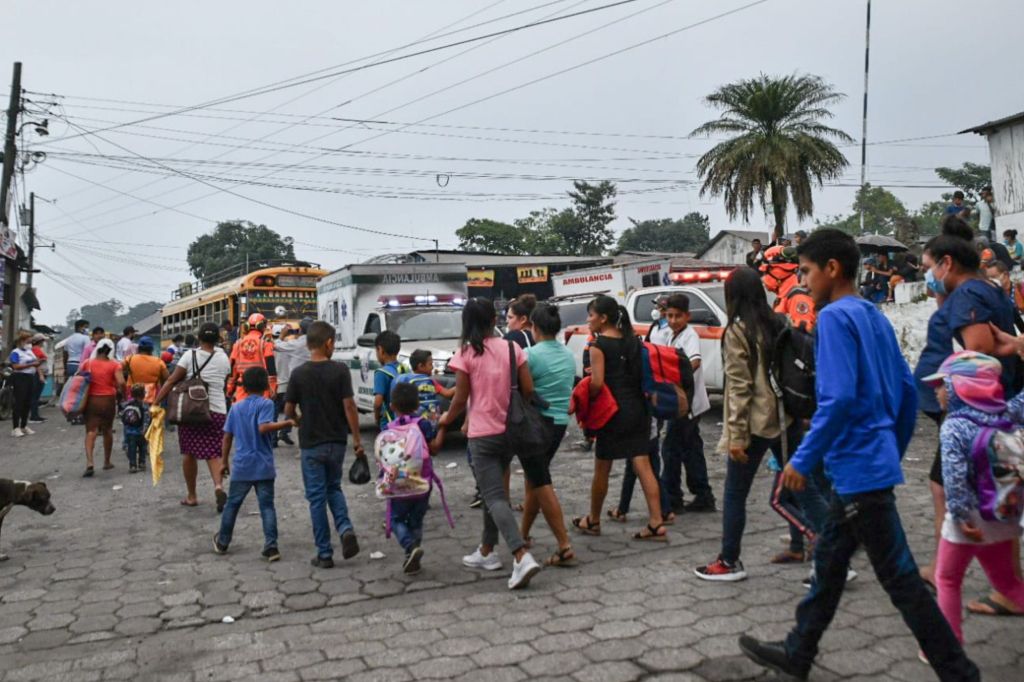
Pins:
x: 683, y: 447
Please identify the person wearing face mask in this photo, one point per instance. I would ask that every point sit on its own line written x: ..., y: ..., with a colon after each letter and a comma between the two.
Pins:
x: 779, y: 275
x: 25, y: 365
x: 974, y: 306
x: 658, y: 319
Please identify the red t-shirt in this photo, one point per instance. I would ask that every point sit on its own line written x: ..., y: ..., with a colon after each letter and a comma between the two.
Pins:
x: 102, y: 382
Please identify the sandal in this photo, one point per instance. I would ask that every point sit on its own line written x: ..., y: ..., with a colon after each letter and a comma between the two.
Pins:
x: 652, y: 535
x: 563, y: 558
x: 186, y: 503
x: 222, y: 499
x: 994, y: 608
x: 89, y: 471
x: 586, y: 526
x: 108, y: 466
x: 616, y: 514
x: 668, y: 519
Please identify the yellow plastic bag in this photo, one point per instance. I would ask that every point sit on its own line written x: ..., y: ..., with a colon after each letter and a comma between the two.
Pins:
x: 155, y: 440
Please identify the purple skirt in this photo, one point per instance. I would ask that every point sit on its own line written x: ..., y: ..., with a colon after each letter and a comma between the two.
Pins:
x: 203, y: 442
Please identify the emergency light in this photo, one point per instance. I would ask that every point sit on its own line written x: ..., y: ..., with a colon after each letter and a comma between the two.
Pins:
x: 420, y: 300
x: 694, y: 276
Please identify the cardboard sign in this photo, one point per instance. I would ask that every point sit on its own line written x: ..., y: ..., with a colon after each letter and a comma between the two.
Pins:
x: 532, y: 274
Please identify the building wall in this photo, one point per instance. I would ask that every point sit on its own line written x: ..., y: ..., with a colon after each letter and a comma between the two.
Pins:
x: 729, y: 249
x: 1006, y: 149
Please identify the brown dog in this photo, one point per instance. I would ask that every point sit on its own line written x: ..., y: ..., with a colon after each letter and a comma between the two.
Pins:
x: 25, y: 493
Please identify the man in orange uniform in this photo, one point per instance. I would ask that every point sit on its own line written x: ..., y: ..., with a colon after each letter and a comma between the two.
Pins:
x: 252, y: 350
x: 779, y: 274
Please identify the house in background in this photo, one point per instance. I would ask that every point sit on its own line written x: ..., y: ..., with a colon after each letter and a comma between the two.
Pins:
x: 1006, y: 152
x: 732, y: 246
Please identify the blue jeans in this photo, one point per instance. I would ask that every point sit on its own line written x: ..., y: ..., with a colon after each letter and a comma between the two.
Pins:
x: 629, y: 480
x: 237, y: 491
x: 683, y: 450
x: 321, y: 476
x: 407, y: 520
x: 870, y: 519
x: 138, y: 449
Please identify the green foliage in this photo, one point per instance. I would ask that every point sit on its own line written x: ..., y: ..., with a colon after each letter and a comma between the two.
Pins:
x: 882, y: 212
x: 231, y: 244
x: 583, y: 230
x: 692, y: 233
x: 969, y: 178
x: 491, y: 236
x: 112, y: 314
x: 779, y: 149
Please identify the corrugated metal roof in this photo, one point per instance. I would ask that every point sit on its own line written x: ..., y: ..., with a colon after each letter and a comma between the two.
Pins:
x: 992, y: 125
x: 749, y: 235
x: 479, y: 260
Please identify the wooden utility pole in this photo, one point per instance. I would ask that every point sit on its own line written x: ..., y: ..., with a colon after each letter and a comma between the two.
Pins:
x: 31, y: 236
x: 10, y: 151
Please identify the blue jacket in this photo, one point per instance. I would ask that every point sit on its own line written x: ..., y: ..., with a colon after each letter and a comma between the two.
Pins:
x: 867, y: 401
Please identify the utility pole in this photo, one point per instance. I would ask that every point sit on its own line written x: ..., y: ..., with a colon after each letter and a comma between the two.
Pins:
x: 864, y: 127
x: 31, y: 236
x: 9, y: 149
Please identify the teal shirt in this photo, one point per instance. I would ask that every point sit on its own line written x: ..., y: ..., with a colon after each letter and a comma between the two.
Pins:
x: 554, y: 371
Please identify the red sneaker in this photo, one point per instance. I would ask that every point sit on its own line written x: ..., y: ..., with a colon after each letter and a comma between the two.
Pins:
x: 719, y: 571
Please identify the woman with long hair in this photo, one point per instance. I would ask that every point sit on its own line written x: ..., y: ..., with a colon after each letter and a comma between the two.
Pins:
x: 483, y: 378
x: 750, y: 414
x: 518, y: 318
x: 105, y: 384
x: 615, y: 362
x: 203, y: 441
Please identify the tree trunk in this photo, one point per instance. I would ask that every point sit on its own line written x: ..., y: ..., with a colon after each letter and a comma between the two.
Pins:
x: 779, y: 210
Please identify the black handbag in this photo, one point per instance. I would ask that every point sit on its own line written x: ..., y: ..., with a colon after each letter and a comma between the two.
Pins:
x: 525, y: 427
x: 359, y: 472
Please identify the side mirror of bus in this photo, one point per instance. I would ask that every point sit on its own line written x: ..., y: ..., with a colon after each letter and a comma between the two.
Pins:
x: 366, y: 340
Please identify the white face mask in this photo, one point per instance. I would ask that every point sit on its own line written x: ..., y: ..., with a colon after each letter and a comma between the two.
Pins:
x: 655, y: 315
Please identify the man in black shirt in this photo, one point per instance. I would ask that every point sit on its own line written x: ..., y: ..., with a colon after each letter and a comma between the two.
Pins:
x: 319, y: 388
x: 755, y: 256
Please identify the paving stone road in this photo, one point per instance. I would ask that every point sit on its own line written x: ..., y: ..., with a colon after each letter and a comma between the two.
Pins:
x: 121, y: 583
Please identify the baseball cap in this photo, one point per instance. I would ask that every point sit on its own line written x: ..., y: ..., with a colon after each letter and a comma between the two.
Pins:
x: 276, y: 329
x: 38, y: 337
x: 146, y: 342
x: 974, y: 377
x: 660, y: 301
x: 304, y: 324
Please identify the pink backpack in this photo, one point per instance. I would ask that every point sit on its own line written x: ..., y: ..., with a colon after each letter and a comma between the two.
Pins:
x: 75, y: 394
x: 404, y: 467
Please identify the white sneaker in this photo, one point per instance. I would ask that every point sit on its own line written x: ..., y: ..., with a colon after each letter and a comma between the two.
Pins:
x: 491, y: 562
x: 851, y: 575
x: 18, y: 433
x: 28, y: 432
x: 522, y: 571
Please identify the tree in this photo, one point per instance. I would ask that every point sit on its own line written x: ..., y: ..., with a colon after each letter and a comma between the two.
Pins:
x: 970, y: 178
x: 232, y: 244
x: 482, y: 234
x: 594, y: 207
x: 111, y: 314
x: 883, y: 213
x: 779, y: 149
x: 692, y: 233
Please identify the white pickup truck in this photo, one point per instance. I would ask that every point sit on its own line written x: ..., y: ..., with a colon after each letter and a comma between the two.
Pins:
x: 422, y: 303
x: 707, y: 315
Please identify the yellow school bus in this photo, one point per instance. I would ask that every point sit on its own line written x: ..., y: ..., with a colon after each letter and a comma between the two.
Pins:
x: 283, y: 293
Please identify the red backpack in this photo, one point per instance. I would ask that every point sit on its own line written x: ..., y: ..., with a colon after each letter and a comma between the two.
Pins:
x: 667, y: 380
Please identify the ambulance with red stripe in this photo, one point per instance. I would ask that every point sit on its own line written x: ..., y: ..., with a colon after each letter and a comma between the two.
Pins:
x: 706, y: 291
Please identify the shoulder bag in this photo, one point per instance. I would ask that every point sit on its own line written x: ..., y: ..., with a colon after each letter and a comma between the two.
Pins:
x: 525, y: 427
x: 189, y: 401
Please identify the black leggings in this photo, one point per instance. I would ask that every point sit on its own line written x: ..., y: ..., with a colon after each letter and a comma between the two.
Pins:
x: 24, y: 387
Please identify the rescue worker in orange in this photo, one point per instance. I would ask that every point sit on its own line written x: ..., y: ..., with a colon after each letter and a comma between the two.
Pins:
x: 252, y: 350
x: 779, y: 274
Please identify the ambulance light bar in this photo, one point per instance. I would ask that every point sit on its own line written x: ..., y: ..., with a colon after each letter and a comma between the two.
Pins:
x: 696, y: 276
x: 420, y: 299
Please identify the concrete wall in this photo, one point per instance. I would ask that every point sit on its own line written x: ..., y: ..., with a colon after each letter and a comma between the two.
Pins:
x: 1006, y: 149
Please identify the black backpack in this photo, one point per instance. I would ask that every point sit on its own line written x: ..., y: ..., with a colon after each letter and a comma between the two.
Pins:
x: 791, y: 369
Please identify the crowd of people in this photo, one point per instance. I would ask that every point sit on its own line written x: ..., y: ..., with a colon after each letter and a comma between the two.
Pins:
x: 835, y: 467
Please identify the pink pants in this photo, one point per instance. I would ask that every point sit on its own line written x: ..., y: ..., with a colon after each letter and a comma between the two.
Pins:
x: 997, y: 561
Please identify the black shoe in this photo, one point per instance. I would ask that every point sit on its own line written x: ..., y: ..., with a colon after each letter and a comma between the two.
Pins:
x: 477, y: 501
x: 322, y: 562
x: 222, y: 499
x: 287, y: 440
x: 36, y: 420
x: 772, y: 655
x: 272, y: 554
x: 349, y: 545
x: 133, y: 469
x: 412, y: 561
x: 217, y: 546
x: 700, y: 504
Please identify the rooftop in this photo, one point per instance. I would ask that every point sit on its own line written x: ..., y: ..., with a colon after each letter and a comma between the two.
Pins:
x: 992, y: 126
x: 479, y: 260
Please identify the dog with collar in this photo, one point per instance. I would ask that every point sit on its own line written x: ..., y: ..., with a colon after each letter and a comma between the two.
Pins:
x: 26, y: 494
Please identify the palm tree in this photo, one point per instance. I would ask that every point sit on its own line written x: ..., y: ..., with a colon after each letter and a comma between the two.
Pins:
x: 780, y: 146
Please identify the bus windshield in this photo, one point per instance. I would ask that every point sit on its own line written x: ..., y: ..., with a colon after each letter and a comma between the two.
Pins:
x: 296, y: 304
x: 425, y: 324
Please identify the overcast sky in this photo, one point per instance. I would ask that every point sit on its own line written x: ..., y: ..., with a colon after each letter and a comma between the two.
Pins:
x: 938, y: 66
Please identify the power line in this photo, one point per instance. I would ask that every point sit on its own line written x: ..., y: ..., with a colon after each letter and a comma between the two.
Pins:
x: 312, y: 79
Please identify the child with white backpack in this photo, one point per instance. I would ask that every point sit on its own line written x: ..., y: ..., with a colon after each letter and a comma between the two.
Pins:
x: 982, y: 442
x: 406, y: 474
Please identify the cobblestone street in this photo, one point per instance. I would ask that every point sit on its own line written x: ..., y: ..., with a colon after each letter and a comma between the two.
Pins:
x: 122, y: 583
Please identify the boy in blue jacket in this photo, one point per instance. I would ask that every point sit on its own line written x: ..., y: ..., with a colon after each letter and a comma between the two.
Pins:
x: 867, y: 403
